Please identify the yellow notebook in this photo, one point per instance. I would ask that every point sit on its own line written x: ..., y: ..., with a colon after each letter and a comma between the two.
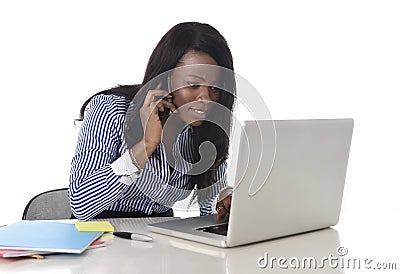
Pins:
x: 94, y: 226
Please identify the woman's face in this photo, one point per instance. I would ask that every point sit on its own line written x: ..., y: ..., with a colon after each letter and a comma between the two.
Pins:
x: 195, y: 87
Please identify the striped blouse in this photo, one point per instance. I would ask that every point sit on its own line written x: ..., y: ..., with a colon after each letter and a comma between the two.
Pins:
x: 95, y: 185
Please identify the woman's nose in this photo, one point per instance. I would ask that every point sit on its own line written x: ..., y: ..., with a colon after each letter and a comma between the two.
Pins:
x: 204, y: 93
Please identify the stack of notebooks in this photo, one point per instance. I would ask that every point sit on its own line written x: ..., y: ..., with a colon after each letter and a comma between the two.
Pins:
x: 26, y: 238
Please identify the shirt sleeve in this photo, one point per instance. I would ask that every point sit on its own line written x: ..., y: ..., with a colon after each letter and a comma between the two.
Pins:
x: 94, y: 185
x: 124, y: 166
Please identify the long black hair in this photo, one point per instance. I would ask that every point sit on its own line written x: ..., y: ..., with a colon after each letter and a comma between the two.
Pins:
x: 172, y: 47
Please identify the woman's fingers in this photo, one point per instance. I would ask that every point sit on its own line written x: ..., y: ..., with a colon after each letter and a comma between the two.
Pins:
x: 154, y: 96
x: 227, y: 202
x: 160, y: 104
x: 166, y: 104
x: 220, y: 210
x: 223, y: 207
x: 151, y: 122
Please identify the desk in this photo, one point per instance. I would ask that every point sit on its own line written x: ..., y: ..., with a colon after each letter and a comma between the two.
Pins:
x: 171, y: 255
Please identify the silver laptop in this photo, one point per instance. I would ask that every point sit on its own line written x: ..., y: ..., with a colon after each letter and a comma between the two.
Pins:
x: 289, y: 179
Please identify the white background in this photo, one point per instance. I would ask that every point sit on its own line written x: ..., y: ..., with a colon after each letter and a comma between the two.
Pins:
x: 308, y: 59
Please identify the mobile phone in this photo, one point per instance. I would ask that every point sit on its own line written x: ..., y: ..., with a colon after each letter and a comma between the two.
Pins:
x: 166, y: 111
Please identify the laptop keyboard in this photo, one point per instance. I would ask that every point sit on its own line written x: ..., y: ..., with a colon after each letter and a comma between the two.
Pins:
x: 221, y: 229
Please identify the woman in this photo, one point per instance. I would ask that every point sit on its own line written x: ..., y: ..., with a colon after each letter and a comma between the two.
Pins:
x: 121, y: 166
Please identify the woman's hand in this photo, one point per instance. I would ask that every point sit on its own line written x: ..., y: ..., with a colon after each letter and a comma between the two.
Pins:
x: 151, y: 122
x: 223, y: 207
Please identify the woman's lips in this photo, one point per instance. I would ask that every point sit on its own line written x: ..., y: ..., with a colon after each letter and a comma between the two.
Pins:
x: 199, y: 113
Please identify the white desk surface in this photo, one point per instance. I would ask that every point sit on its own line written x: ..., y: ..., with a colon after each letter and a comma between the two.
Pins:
x: 171, y: 255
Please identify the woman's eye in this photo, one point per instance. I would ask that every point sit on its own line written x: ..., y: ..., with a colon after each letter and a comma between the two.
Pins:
x: 193, y: 85
x: 214, y: 89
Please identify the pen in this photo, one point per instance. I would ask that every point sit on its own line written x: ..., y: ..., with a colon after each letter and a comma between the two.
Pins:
x: 133, y: 236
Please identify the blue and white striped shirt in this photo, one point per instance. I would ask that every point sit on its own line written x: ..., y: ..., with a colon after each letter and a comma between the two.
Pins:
x: 95, y: 186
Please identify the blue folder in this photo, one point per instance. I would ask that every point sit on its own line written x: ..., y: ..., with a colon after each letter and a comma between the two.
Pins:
x: 45, y: 236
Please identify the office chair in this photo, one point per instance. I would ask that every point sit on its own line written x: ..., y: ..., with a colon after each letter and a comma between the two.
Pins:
x: 49, y: 205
